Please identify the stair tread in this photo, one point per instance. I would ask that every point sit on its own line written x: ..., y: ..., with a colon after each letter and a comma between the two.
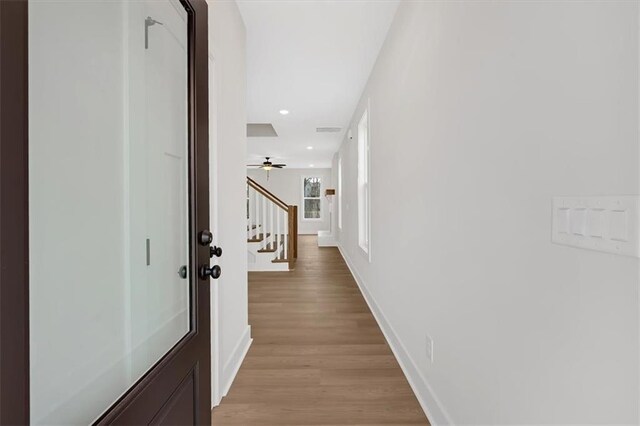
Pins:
x: 269, y: 248
x: 280, y: 258
x: 258, y: 238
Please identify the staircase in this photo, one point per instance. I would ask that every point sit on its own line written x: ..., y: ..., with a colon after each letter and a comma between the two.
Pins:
x: 272, y: 230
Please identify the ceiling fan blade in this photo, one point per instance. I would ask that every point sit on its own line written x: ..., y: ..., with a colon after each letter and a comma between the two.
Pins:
x: 278, y: 165
x: 255, y: 165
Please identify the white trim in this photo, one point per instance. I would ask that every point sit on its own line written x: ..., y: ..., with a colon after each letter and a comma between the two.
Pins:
x: 638, y: 273
x: 370, y: 203
x: 427, y: 398
x: 214, y: 192
x: 340, y: 185
x: 216, y: 371
x: 363, y: 153
x: 234, y: 362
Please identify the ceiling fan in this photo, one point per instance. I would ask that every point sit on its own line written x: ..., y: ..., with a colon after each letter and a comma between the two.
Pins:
x: 267, y: 165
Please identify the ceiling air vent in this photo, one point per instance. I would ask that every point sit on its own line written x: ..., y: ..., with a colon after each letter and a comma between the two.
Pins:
x: 328, y: 129
x: 261, y: 130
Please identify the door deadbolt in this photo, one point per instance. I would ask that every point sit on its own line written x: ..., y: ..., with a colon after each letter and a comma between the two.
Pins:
x: 205, y: 238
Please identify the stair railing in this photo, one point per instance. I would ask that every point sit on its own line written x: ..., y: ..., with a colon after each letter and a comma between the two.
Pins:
x: 273, y: 220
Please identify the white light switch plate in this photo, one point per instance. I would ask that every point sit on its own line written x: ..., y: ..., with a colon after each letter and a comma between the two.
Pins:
x: 607, y: 223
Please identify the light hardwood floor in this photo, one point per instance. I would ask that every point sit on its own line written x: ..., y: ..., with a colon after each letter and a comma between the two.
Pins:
x: 318, y: 356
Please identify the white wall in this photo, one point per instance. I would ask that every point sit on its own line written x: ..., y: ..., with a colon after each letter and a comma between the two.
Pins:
x: 286, y: 184
x: 480, y: 113
x: 228, y: 128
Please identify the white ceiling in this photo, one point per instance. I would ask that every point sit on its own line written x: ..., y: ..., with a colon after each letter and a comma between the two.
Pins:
x: 313, y: 58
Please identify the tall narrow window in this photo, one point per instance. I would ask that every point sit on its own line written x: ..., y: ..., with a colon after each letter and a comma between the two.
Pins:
x: 311, y: 190
x: 340, y: 192
x: 363, y: 182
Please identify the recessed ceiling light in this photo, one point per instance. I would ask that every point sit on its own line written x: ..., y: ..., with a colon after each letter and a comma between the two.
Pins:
x: 284, y: 111
x: 309, y: 147
x: 310, y: 165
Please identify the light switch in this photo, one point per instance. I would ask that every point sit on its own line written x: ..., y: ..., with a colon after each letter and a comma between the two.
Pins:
x: 604, y: 223
x: 562, y: 219
x: 578, y: 220
x: 595, y: 222
x: 618, y: 225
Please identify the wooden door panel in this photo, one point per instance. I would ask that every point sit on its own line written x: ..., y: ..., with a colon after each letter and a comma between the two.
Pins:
x: 148, y: 397
x: 176, y: 390
x: 181, y: 408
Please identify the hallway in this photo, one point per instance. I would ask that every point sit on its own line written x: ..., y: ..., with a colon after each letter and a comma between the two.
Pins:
x: 318, y: 355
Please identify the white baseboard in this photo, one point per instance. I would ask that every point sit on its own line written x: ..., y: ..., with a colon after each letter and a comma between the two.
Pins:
x: 428, y: 400
x: 234, y: 362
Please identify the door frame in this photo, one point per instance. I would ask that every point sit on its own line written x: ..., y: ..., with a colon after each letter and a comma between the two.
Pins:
x: 14, y: 218
x: 14, y: 214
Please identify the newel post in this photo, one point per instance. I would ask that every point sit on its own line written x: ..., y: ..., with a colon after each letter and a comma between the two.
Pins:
x: 293, y: 234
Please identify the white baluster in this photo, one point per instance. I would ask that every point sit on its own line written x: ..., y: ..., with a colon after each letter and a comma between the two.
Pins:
x: 264, y: 220
x: 255, y: 212
x: 258, y: 216
x: 278, y: 230
x: 273, y: 234
x: 250, y: 213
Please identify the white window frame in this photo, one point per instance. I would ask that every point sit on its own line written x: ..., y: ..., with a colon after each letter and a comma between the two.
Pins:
x: 364, y: 190
x: 340, y: 191
x: 311, y: 219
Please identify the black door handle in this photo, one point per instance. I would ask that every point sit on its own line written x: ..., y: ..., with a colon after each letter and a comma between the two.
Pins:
x: 215, y: 251
x: 182, y: 272
x: 205, y: 238
x: 213, y: 272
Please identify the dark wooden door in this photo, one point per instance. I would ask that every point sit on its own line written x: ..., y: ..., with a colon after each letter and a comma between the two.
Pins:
x: 158, y: 376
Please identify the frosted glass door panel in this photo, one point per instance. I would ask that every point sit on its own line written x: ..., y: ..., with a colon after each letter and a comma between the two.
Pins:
x: 110, y: 262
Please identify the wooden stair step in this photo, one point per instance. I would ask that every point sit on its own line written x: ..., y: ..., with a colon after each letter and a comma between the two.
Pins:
x: 272, y: 247
x: 280, y: 259
x: 269, y: 248
x: 258, y: 238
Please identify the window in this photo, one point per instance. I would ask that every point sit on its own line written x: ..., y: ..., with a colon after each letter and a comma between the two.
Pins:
x: 363, y: 182
x: 311, y: 190
x: 340, y: 192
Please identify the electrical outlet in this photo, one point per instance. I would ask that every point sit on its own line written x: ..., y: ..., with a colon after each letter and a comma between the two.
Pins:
x: 429, y: 347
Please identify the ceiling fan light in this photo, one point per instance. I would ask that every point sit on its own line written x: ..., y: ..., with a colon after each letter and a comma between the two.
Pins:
x: 267, y: 168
